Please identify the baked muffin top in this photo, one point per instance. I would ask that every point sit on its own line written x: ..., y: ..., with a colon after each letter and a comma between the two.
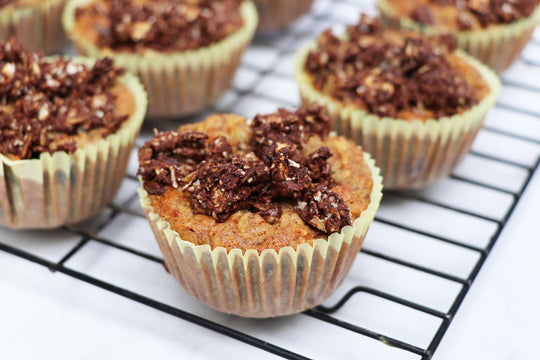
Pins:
x: 55, y: 104
x: 278, y: 181
x: 464, y: 14
x: 399, y: 75
x: 160, y: 25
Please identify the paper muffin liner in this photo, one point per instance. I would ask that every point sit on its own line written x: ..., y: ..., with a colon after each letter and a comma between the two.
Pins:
x: 62, y: 188
x: 411, y: 154
x: 277, y: 14
x: 38, y: 27
x: 498, y: 46
x: 177, y: 83
x: 270, y: 283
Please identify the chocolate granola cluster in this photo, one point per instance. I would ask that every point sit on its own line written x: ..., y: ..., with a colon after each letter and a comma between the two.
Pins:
x: 386, y: 77
x: 486, y: 12
x: 272, y: 170
x: 164, y: 25
x: 43, y: 102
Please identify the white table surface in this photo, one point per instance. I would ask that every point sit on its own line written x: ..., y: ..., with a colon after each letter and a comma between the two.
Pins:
x: 57, y: 317
x: 53, y: 316
x: 500, y: 317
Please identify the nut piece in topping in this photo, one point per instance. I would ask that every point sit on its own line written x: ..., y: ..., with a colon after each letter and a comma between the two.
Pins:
x: 324, y: 209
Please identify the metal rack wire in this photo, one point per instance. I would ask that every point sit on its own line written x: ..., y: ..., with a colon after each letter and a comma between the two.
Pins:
x: 263, y: 83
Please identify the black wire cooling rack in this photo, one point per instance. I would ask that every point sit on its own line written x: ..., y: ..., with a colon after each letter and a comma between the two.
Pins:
x: 463, y: 214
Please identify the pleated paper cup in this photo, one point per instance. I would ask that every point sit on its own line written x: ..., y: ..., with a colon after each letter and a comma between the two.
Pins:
x: 277, y: 14
x: 497, y: 46
x: 270, y: 283
x: 62, y: 188
x: 38, y: 27
x: 411, y: 154
x: 178, y: 83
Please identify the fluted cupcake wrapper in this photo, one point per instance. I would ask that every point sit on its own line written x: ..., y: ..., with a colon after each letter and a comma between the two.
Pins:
x: 272, y: 283
x: 497, y: 46
x: 411, y: 154
x: 37, y: 27
x: 178, y: 83
x: 277, y: 14
x: 62, y: 188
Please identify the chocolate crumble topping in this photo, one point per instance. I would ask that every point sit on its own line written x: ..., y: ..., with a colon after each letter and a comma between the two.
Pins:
x: 44, y: 102
x: 272, y: 170
x: 324, y: 209
x: 319, y: 169
x: 163, y: 25
x: 288, y: 127
x: 290, y: 179
x: 220, y: 188
x: 386, y: 76
x: 486, y: 12
x: 169, y: 157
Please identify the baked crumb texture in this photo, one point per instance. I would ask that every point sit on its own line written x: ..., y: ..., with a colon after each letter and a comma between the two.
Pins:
x: 493, y: 31
x: 414, y: 103
x: 260, y: 220
x: 66, y: 130
x: 185, y: 55
x: 35, y: 23
x: 277, y: 14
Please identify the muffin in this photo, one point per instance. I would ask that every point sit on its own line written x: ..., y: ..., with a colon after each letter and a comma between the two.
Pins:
x: 416, y: 104
x: 260, y: 218
x: 35, y: 23
x: 66, y: 131
x: 184, y: 52
x: 493, y: 31
x: 277, y: 14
